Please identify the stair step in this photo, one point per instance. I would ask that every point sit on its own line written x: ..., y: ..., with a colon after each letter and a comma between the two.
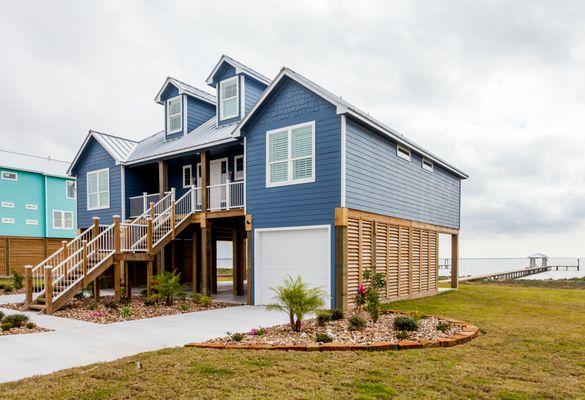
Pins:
x: 37, y: 307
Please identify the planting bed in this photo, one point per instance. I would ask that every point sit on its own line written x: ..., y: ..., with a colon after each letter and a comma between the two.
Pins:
x: 23, y: 331
x: 378, y: 336
x: 107, y: 311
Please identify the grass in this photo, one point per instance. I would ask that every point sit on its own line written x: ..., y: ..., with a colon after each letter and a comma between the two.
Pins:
x: 532, y: 347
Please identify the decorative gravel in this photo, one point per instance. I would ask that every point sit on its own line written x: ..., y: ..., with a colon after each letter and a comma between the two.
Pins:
x: 381, y: 331
x: 102, y: 314
x: 23, y: 331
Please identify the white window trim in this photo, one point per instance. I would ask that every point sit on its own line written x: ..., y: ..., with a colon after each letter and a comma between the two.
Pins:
x: 427, y: 165
x: 32, y: 207
x: 290, y: 180
x: 190, y: 168
x: 168, y: 117
x: 6, y: 220
x: 97, y: 171
x: 32, y: 222
x: 63, y: 219
x: 9, y: 172
x: 74, y: 191
x: 400, y: 154
x: 236, y: 158
x: 7, y: 204
x: 223, y: 117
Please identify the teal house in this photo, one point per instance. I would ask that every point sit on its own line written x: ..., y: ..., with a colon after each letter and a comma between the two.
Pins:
x: 37, y: 208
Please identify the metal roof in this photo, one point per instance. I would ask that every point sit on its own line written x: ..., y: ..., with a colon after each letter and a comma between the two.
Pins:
x: 186, y: 88
x: 119, y: 148
x: 36, y: 164
x: 239, y: 68
x: 205, y: 135
x: 344, y: 107
x: 538, y: 255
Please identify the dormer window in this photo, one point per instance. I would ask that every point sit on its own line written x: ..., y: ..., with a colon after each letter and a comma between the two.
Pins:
x: 228, y: 98
x: 174, y: 115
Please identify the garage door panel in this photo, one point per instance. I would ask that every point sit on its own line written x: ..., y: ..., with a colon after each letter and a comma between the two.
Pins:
x: 280, y: 253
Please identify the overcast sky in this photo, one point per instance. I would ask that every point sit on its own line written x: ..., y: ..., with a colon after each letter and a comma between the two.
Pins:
x: 496, y: 88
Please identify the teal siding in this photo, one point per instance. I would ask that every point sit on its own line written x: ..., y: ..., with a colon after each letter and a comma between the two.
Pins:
x: 379, y: 181
x: 44, y: 192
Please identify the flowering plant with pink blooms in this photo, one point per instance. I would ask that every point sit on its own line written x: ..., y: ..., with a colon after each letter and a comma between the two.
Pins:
x: 360, y: 297
x: 258, y: 331
x: 96, y: 314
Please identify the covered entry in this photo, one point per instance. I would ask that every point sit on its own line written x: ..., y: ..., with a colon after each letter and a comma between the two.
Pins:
x: 279, y: 252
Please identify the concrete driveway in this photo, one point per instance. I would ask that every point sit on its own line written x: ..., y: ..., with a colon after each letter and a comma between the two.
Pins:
x: 76, y: 343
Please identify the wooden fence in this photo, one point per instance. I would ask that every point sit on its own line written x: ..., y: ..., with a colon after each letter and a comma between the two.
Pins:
x: 16, y: 252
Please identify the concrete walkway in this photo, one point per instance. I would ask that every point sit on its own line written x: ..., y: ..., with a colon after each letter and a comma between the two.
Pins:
x: 76, y: 343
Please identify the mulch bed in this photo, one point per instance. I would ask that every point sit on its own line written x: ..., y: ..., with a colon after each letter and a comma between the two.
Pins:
x: 378, y: 336
x: 106, y: 311
x: 14, y: 291
x: 23, y: 331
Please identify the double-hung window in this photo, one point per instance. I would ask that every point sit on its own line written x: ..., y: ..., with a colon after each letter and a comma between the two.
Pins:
x: 174, y: 115
x: 290, y: 155
x: 187, y: 176
x: 62, y: 219
x: 98, y: 189
x: 70, y: 189
x: 228, y: 94
x: 238, y: 168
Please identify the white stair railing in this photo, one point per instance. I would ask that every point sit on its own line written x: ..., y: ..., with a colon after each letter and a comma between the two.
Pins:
x: 226, y: 196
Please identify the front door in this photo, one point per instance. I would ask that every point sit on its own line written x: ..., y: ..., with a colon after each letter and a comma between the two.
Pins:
x: 218, y: 175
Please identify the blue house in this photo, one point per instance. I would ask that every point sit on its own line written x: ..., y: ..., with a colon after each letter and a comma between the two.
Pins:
x: 37, y: 209
x: 299, y: 180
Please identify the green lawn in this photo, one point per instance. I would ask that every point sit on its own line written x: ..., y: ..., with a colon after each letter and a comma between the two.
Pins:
x: 533, y: 347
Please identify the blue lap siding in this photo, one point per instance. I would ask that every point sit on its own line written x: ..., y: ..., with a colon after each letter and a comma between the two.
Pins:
x: 198, y: 112
x: 95, y: 157
x: 252, y: 92
x: 378, y: 181
x: 303, y: 204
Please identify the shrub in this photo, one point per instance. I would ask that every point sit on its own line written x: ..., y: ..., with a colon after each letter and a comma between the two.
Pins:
x: 1, y: 315
x: 357, y: 323
x: 297, y: 299
x: 405, y: 323
x: 7, y: 289
x: 183, y: 307
x: 125, y: 300
x: 150, y: 301
x: 17, y: 280
x: 370, y: 295
x: 323, y: 317
x: 91, y: 306
x: 417, y: 315
x: 79, y: 295
x: 443, y: 326
x: 236, y: 337
x: 5, y: 326
x: 360, y: 297
x: 196, y: 297
x: 402, y: 335
x: 336, y: 315
x: 144, y: 293
x: 30, y: 325
x: 125, y: 312
x: 168, y: 286
x: 323, y: 338
x: 16, y: 320
x: 258, y: 331
x: 373, y: 304
x: 112, y: 305
x: 205, y: 301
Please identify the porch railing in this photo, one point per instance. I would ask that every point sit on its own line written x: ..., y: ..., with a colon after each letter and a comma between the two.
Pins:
x: 140, y: 204
x: 226, y: 196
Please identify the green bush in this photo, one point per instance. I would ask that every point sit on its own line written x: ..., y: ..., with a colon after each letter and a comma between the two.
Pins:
x: 237, y: 337
x: 79, y: 295
x: 443, y: 326
x: 144, y: 293
x: 168, y: 286
x: 91, y: 306
x: 1, y: 315
x: 206, y: 301
x: 323, y: 338
x: 149, y: 301
x: 402, y: 335
x: 17, y: 320
x: 336, y: 315
x: 17, y: 280
x: 357, y: 323
x: 183, y: 307
x: 112, y: 305
x: 125, y: 312
x: 297, y: 299
x: 373, y: 304
x: 196, y: 297
x: 405, y: 323
x: 7, y: 289
x: 125, y: 300
x: 323, y: 317
x: 5, y: 326
x: 30, y: 325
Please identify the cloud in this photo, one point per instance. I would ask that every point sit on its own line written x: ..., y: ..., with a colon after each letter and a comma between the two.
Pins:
x: 495, y: 87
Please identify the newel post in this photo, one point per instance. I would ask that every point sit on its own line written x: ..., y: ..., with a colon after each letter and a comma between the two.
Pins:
x: 84, y: 256
x: 117, y: 233
x: 144, y: 201
x: 96, y: 227
x: 29, y: 281
x: 48, y: 289
x: 193, y: 198
x: 152, y: 210
x: 65, y: 257
x: 173, y: 219
x: 149, y: 234
x: 227, y: 194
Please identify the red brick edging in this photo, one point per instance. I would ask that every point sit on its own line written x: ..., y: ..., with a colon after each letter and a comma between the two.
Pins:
x: 468, y: 332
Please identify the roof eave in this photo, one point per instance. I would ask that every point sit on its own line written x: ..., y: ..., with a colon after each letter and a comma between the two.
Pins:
x: 238, y: 68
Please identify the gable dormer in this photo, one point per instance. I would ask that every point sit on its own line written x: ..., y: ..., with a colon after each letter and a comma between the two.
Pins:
x: 238, y: 87
x: 185, y: 107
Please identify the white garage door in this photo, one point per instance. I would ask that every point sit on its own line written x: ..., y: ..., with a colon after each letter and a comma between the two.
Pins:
x: 303, y: 251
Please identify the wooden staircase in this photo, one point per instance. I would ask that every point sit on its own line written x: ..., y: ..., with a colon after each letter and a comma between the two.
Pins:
x: 53, y: 283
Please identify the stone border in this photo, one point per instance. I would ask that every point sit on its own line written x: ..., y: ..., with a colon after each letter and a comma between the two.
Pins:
x: 468, y: 332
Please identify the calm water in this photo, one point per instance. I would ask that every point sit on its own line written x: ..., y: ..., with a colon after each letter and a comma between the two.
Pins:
x: 479, y: 266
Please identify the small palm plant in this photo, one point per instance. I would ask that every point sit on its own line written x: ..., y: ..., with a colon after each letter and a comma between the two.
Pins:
x: 297, y: 299
x: 168, y: 286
